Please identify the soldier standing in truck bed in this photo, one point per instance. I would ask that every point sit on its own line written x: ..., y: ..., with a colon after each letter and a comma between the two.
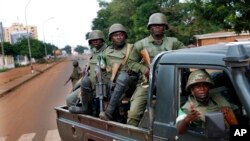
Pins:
x: 146, y: 49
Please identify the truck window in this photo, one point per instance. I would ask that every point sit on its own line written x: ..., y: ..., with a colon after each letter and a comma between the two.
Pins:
x: 248, y: 73
x: 222, y: 86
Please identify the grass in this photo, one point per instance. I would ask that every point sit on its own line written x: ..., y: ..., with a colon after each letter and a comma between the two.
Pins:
x: 4, y: 70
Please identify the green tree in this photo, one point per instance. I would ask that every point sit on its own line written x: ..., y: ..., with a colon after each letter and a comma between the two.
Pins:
x: 133, y: 14
x: 50, y: 48
x: 9, y: 49
x: 184, y: 19
x: 36, y: 47
x: 117, y: 11
x: 68, y: 49
x: 229, y: 14
x: 80, y: 49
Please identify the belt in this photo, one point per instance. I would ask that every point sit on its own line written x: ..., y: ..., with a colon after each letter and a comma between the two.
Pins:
x: 132, y: 73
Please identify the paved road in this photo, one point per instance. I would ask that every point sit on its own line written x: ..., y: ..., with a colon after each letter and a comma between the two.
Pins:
x: 27, y: 113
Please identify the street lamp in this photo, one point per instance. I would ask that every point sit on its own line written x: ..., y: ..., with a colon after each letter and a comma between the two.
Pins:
x: 28, y: 37
x: 45, y: 48
x: 2, y: 40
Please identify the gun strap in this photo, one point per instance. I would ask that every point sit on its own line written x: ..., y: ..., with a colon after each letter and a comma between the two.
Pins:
x: 129, y: 47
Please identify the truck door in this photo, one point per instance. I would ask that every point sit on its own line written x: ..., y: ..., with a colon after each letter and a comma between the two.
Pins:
x: 168, y: 95
x: 223, y: 87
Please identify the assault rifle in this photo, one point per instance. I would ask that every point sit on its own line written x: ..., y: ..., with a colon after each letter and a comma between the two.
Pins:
x: 67, y: 81
x: 101, y: 88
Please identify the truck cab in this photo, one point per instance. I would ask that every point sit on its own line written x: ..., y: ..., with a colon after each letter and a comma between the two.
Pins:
x: 227, y: 64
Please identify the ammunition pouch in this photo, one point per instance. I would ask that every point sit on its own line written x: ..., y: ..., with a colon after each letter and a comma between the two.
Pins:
x: 133, y: 75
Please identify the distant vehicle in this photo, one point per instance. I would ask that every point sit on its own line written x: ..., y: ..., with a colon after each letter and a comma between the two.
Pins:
x: 169, y: 71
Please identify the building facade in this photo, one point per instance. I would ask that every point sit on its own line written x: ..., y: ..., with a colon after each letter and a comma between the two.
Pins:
x: 16, y: 30
x: 220, y: 37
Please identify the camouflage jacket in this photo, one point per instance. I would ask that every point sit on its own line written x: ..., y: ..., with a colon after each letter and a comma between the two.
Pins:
x: 76, y: 74
x: 135, y: 58
x: 93, y: 62
x: 113, y: 55
x: 216, y: 101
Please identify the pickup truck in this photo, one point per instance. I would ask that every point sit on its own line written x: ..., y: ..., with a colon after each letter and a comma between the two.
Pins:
x: 227, y: 62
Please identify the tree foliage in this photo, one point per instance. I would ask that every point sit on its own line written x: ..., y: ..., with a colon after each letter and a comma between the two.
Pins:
x: 37, y: 48
x: 184, y: 19
x: 68, y: 49
x: 80, y: 49
x: 229, y: 14
x: 9, y: 49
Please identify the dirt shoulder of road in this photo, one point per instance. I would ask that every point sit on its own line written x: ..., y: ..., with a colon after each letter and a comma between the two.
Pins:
x: 15, y: 73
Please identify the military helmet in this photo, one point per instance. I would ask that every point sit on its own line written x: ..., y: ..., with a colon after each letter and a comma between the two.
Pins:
x: 96, y: 34
x: 75, y: 63
x: 199, y: 76
x: 115, y: 28
x: 157, y: 18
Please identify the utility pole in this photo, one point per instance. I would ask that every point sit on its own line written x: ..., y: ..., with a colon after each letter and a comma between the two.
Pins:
x: 2, y: 40
x: 28, y: 36
x: 44, y: 43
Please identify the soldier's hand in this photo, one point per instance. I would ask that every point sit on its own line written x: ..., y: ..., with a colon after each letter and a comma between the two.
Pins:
x: 193, y: 114
x: 79, y: 94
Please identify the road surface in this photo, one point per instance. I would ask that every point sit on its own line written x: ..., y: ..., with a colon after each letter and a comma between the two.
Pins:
x: 27, y: 113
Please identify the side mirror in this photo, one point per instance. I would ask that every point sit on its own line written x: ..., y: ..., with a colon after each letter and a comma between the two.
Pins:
x: 215, y: 126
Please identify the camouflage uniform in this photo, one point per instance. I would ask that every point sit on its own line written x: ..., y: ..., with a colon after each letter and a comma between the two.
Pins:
x: 94, y: 60
x: 76, y: 74
x: 139, y: 98
x: 88, y: 91
x: 113, y: 56
x: 215, y: 102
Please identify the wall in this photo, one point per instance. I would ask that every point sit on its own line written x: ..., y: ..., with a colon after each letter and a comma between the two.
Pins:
x: 213, y: 38
x: 8, y: 62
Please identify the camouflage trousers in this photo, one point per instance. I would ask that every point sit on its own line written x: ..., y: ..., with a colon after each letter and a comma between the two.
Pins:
x: 138, y: 103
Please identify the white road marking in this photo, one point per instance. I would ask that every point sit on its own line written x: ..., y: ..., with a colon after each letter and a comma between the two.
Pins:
x: 3, y: 138
x: 52, y: 135
x: 27, y: 137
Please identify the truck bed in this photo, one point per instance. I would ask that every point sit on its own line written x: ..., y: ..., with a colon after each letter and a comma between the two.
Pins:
x: 79, y: 127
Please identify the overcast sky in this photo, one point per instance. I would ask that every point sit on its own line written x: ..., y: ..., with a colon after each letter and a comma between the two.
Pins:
x: 71, y: 18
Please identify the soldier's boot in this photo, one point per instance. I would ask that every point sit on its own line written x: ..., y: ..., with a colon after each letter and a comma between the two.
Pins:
x: 95, y: 107
x: 85, y: 98
x: 121, y: 84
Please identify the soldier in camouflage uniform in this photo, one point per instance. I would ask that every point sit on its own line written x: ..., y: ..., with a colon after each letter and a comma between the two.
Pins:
x: 76, y: 74
x: 87, y: 92
x: 146, y: 49
x: 200, y: 102
x: 116, y: 56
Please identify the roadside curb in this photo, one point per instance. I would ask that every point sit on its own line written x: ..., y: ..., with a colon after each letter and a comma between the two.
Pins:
x: 12, y: 85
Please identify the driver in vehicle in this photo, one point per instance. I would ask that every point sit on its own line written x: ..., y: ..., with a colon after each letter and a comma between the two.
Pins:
x: 200, y: 102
